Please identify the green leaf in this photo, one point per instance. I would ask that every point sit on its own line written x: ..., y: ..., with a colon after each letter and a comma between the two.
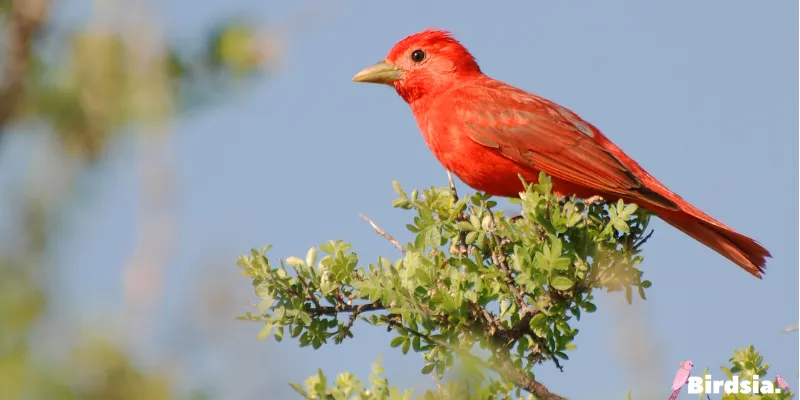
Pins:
x: 265, y: 331
x: 296, y: 330
x: 428, y: 368
x: 538, y: 320
x: 377, y: 367
x: 574, y: 219
x: 305, y: 318
x: 544, y: 185
x: 398, y: 188
x: 562, y: 263
x: 406, y: 345
x: 400, y: 203
x: 465, y: 226
x: 294, y: 261
x: 555, y: 252
x: 628, y: 211
x: 621, y: 226
x: 299, y: 389
x: 327, y: 248
x: 311, y: 257
x: 561, y: 283
x: 397, y: 341
x: 264, y: 305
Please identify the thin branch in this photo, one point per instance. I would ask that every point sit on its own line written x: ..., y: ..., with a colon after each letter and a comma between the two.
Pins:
x: 521, y: 379
x: 345, y: 308
x: 506, y: 367
x: 461, y: 245
x: 502, y: 263
x: 355, y: 311
x: 643, y: 240
x: 381, y: 232
x: 436, y: 381
x: 520, y: 329
x: 512, y: 286
x: 453, y: 191
x: 340, y: 296
x: 491, y: 323
x: 26, y: 17
x: 558, y: 364
x: 310, y: 294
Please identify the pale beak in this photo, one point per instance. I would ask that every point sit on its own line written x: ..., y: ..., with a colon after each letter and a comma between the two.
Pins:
x: 381, y: 72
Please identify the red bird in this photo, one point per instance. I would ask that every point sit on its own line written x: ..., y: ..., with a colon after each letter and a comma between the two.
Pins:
x: 488, y: 132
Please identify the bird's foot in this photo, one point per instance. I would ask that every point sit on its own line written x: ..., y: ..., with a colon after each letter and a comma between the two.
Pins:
x: 594, y: 199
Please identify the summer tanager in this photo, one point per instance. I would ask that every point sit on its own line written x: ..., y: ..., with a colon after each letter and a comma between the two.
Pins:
x: 488, y: 133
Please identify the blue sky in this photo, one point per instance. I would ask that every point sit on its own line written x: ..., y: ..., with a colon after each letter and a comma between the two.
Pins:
x: 702, y: 94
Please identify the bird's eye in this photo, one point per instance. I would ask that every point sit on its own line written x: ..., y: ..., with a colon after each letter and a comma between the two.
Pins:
x: 417, y: 56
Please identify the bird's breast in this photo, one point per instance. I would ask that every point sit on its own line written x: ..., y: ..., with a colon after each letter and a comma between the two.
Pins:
x: 480, y: 167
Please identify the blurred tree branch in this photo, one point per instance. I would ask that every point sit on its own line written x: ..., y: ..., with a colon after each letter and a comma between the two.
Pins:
x: 25, y: 19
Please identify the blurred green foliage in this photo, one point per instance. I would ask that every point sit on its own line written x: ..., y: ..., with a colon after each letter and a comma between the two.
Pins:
x: 87, y: 88
x: 100, y: 82
x: 746, y: 362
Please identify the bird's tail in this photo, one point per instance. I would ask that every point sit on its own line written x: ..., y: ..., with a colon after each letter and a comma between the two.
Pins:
x: 740, y: 249
x: 675, y: 394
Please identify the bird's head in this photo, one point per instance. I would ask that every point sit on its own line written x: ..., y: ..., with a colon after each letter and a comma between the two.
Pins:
x: 425, y: 63
x: 687, y: 364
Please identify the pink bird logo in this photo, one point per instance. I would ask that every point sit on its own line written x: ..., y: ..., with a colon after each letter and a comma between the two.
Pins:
x: 782, y: 384
x: 681, y: 378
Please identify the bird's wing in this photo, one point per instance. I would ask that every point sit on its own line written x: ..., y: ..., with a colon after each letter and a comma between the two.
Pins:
x: 537, y: 133
x: 782, y: 383
x: 680, y: 378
